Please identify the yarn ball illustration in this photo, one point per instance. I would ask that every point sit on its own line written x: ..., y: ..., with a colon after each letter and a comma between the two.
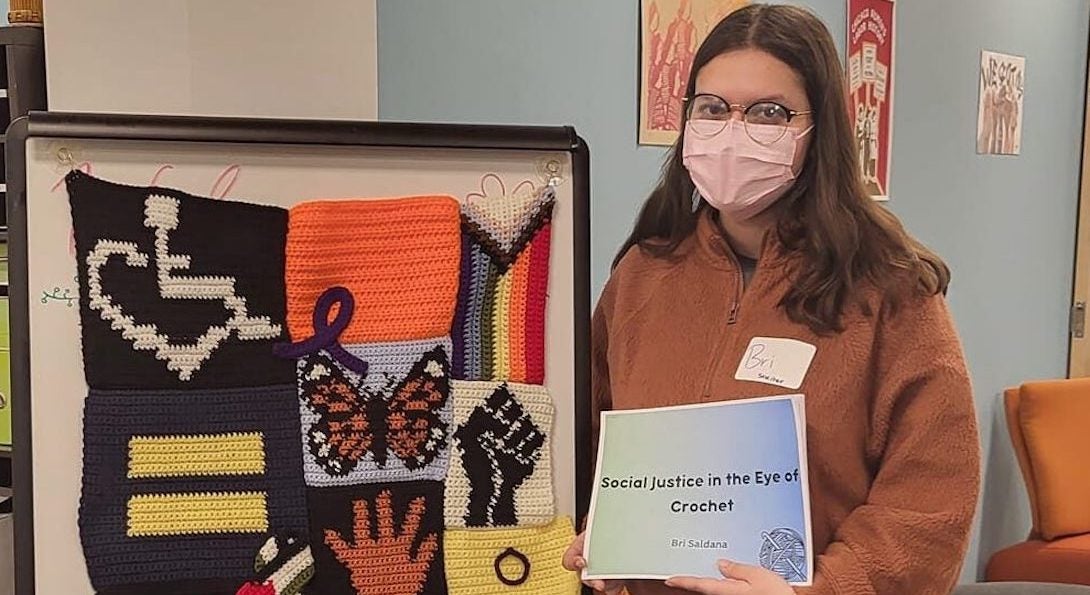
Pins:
x: 783, y: 551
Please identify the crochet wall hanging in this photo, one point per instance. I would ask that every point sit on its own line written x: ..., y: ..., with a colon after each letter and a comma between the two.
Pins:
x: 359, y: 367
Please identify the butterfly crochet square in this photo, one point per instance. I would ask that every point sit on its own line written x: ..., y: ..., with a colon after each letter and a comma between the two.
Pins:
x: 378, y: 539
x: 501, y: 465
x: 392, y: 425
x: 180, y: 488
x: 499, y: 325
x: 492, y: 561
x: 177, y: 291
x: 398, y: 257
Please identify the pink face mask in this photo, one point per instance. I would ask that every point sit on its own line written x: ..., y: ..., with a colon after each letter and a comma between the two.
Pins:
x: 733, y: 172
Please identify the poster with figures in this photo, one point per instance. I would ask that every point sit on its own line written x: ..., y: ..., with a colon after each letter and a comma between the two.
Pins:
x: 870, y: 88
x: 671, y: 31
x: 999, y: 119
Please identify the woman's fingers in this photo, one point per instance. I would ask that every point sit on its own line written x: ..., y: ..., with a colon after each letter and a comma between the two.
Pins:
x: 573, y: 557
x: 709, y: 586
x: 575, y: 562
x: 607, y: 587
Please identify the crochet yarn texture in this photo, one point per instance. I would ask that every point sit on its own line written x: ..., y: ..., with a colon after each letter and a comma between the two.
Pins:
x: 501, y: 465
x: 492, y: 561
x: 180, y: 487
x: 174, y: 291
x: 284, y: 565
x: 499, y: 326
x: 378, y: 539
x: 398, y: 257
x: 392, y: 425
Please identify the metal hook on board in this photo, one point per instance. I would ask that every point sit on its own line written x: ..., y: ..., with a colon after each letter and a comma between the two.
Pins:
x: 551, y: 171
x: 67, y: 160
x: 65, y: 157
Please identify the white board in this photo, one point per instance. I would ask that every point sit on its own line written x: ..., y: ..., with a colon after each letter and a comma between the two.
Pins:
x: 272, y: 174
x: 213, y: 58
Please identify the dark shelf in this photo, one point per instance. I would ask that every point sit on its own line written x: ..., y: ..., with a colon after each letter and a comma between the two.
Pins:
x: 22, y: 79
x: 19, y: 35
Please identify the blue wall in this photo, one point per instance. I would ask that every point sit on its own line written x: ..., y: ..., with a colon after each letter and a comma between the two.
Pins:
x: 1006, y: 225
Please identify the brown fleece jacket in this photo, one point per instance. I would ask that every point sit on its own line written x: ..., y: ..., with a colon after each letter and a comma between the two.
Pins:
x: 892, y: 440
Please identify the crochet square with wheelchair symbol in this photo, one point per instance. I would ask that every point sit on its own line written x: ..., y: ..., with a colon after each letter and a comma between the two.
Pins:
x: 501, y: 465
x: 379, y: 538
x: 177, y: 291
x: 181, y: 488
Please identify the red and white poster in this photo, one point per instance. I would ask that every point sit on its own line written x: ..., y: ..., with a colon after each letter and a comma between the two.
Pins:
x: 870, y: 88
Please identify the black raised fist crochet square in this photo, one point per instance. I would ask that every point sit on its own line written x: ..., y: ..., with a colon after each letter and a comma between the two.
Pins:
x: 178, y: 291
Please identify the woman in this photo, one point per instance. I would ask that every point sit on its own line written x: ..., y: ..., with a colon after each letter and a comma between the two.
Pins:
x: 761, y: 227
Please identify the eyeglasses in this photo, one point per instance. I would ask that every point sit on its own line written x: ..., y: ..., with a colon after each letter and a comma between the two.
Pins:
x: 765, y: 121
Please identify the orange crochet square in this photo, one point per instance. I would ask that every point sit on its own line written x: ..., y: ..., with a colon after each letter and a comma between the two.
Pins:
x: 398, y: 257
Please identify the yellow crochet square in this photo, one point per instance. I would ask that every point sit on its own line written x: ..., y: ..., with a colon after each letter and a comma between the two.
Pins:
x: 530, y: 557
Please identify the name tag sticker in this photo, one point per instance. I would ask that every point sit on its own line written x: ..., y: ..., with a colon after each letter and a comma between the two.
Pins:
x: 780, y: 362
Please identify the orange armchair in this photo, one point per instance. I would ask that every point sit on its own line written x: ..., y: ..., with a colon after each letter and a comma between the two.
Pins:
x: 1049, y: 425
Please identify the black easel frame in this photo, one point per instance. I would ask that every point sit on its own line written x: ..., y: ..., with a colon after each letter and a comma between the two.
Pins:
x: 281, y: 132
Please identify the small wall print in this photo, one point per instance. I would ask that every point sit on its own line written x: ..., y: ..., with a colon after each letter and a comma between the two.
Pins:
x: 999, y: 120
x: 870, y: 68
x: 671, y: 31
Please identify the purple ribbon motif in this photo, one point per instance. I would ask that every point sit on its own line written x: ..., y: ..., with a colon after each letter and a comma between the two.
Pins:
x: 327, y: 333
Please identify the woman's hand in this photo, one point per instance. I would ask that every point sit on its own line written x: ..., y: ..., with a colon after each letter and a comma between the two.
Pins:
x: 739, y: 579
x: 574, y: 561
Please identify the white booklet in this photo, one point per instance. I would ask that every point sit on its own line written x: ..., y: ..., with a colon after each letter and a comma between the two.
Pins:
x: 679, y: 488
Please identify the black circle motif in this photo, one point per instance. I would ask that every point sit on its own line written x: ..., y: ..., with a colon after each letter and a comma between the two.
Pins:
x: 512, y: 553
x: 783, y: 551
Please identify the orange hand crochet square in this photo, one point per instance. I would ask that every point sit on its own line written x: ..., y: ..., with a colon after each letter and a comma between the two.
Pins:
x: 398, y: 257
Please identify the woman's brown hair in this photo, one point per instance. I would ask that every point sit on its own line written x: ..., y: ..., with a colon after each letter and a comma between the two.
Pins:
x: 844, y: 240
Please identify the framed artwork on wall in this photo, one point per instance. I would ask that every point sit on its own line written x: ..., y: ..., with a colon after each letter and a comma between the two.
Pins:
x: 870, y: 69
x: 670, y: 33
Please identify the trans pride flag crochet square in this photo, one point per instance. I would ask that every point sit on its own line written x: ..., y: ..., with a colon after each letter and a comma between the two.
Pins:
x: 499, y: 328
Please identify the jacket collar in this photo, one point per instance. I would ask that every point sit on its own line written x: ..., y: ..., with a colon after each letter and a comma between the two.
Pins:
x: 712, y: 244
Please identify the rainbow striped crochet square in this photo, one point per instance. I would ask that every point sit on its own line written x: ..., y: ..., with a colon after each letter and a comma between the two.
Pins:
x: 378, y: 539
x: 398, y: 257
x: 391, y: 425
x: 500, y: 467
x: 177, y: 291
x: 499, y: 326
x: 180, y: 488
x: 501, y: 561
